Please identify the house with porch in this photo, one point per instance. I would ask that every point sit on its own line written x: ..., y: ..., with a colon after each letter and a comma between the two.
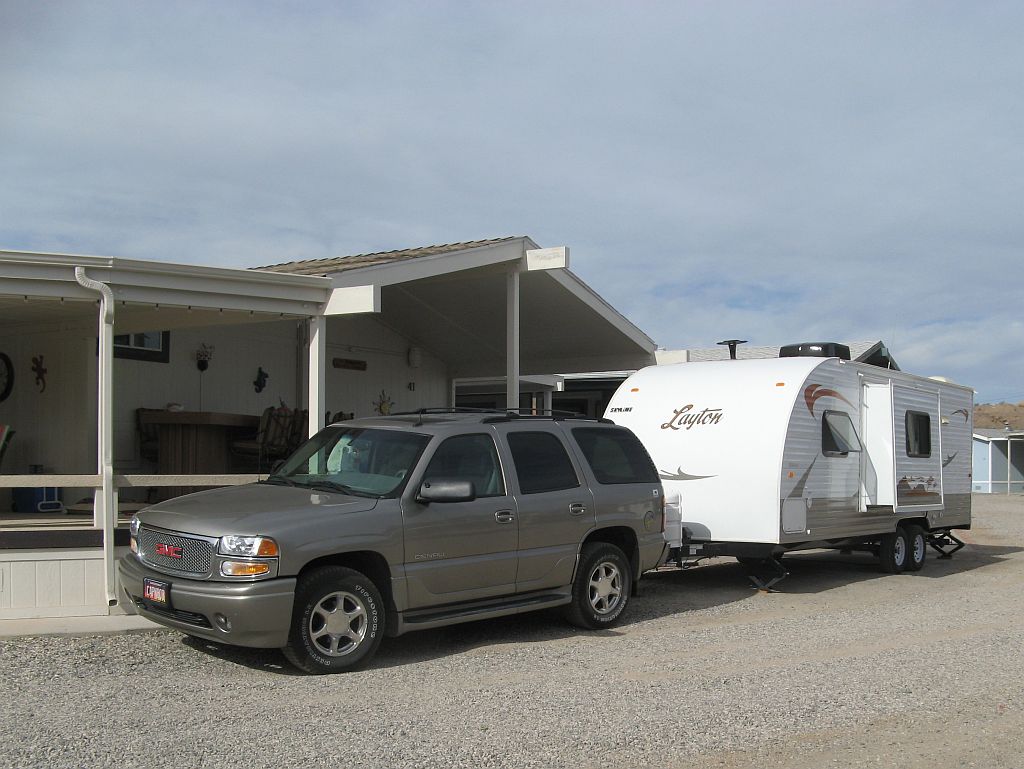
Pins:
x: 123, y: 380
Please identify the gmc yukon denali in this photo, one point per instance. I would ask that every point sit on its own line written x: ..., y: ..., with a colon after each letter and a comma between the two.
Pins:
x: 391, y: 524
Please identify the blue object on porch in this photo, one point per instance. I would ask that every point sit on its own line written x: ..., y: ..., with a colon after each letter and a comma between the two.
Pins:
x: 37, y: 500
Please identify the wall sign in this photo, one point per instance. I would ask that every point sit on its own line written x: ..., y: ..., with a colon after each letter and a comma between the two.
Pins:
x: 349, y: 363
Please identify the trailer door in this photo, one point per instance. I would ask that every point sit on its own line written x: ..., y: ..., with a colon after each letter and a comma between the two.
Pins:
x: 877, y: 484
x: 918, y: 449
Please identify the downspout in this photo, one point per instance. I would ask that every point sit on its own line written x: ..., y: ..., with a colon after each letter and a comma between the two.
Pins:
x: 105, y: 460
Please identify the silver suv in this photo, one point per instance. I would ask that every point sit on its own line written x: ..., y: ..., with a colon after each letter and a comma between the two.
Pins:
x: 391, y: 524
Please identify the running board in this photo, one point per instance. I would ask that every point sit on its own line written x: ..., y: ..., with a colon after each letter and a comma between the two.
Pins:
x: 451, y: 615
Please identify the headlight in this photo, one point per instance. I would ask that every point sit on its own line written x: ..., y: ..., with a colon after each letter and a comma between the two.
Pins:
x: 250, y: 547
x: 134, y: 527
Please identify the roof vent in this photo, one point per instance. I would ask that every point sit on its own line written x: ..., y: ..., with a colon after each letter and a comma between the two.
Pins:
x: 815, y: 350
x: 732, y: 346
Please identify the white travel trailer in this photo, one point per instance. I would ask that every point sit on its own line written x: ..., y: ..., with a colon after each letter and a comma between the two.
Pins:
x: 763, y: 456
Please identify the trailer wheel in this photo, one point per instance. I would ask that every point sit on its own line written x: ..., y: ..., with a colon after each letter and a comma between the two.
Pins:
x: 917, y: 547
x: 893, y: 551
x: 602, y: 587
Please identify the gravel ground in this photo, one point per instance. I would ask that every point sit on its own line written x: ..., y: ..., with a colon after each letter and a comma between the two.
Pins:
x: 844, y: 667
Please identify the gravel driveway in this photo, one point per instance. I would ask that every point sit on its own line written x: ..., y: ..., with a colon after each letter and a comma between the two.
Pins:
x: 844, y: 667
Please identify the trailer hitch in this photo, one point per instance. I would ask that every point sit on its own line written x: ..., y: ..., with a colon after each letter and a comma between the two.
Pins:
x: 945, y: 543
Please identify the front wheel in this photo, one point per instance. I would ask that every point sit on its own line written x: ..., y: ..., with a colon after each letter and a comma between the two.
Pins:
x: 337, y: 623
x: 601, y: 588
x: 893, y: 551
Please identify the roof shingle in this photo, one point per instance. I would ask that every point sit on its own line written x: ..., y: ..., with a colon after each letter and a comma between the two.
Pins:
x: 342, y: 263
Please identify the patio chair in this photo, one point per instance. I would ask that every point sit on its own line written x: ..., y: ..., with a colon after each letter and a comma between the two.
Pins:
x: 300, y: 429
x: 6, y: 433
x: 272, y: 439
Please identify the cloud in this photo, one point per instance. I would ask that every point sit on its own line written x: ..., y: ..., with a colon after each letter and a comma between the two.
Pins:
x: 773, y: 172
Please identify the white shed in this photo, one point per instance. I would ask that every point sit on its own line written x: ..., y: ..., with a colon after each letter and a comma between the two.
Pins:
x: 998, y: 461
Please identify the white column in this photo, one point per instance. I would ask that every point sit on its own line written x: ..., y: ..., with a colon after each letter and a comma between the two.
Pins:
x: 548, y: 401
x: 512, y: 340
x: 317, y: 373
x: 105, y: 501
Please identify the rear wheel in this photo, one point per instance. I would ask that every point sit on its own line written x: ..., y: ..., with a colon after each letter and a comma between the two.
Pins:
x: 602, y: 587
x: 337, y: 623
x: 893, y: 551
x: 917, y: 547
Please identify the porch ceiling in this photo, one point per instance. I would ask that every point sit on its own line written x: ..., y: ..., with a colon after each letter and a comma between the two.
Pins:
x: 460, y: 318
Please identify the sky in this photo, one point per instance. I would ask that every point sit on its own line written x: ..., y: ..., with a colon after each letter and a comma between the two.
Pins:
x: 771, y: 171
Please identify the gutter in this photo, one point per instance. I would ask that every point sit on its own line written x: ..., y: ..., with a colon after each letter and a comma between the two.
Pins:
x: 106, y: 510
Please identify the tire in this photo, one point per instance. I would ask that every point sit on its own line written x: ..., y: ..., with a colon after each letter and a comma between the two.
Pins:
x: 893, y: 552
x: 917, y: 548
x: 337, y: 622
x: 601, y: 588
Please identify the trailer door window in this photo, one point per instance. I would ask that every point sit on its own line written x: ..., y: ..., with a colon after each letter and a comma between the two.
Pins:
x: 838, y: 437
x: 919, y: 434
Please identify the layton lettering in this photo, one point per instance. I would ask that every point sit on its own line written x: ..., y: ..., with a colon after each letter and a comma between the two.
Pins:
x: 688, y: 418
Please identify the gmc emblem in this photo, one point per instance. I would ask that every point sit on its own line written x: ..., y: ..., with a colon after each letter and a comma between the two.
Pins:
x: 171, y: 551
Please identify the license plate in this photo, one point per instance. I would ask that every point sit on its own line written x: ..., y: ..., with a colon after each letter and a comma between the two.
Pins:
x: 157, y: 592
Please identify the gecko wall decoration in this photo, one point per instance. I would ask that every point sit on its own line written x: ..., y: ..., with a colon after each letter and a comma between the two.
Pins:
x: 39, y: 371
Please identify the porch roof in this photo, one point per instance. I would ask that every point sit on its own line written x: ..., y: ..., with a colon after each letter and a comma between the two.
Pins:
x: 450, y: 299
x: 40, y: 288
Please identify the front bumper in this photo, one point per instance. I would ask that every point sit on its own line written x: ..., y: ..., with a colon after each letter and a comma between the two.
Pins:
x: 257, y: 614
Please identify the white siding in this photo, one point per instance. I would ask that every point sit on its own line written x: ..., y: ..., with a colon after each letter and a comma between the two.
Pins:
x: 51, y: 583
x: 365, y: 338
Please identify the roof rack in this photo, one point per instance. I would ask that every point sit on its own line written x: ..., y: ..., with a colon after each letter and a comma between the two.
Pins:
x: 501, y: 415
x: 509, y: 415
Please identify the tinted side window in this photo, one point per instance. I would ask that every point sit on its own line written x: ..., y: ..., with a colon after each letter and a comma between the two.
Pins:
x: 469, y: 458
x: 919, y: 434
x: 542, y: 463
x: 838, y: 436
x: 615, y: 455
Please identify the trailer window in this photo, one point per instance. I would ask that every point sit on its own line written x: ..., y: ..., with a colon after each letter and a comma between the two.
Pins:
x: 919, y: 434
x: 542, y: 463
x: 838, y: 437
x: 615, y: 455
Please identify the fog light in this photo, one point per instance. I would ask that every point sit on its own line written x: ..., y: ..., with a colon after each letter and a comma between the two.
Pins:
x: 243, y: 569
x: 134, y: 545
x: 222, y: 622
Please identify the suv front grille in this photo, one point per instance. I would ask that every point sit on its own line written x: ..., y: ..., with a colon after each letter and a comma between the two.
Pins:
x: 196, y: 554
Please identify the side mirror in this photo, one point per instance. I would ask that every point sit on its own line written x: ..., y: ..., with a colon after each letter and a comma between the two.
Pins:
x: 446, y: 490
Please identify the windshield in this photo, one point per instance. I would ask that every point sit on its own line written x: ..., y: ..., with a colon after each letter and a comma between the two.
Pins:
x: 353, y: 460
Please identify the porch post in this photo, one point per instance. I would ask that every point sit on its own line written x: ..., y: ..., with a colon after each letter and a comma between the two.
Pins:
x: 105, y: 503
x: 317, y: 373
x: 512, y: 340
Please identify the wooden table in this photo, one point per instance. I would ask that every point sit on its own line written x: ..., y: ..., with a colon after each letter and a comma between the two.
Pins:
x: 196, y: 442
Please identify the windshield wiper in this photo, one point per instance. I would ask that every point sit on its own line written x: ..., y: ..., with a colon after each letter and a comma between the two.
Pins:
x: 341, y: 488
x: 278, y: 480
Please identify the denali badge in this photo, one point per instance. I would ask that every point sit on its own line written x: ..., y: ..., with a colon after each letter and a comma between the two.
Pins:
x: 171, y: 551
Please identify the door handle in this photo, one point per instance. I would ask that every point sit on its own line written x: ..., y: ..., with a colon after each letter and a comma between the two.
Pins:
x: 504, y: 516
x: 577, y: 508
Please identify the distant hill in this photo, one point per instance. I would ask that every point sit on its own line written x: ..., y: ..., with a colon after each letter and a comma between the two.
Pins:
x: 999, y: 415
